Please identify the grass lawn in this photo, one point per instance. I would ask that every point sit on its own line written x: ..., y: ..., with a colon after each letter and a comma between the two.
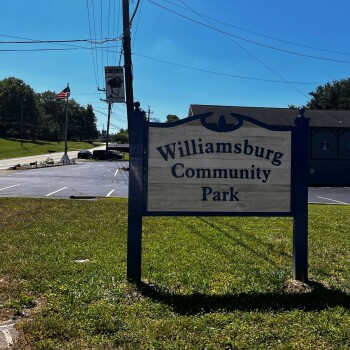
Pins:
x: 11, y: 148
x: 209, y: 283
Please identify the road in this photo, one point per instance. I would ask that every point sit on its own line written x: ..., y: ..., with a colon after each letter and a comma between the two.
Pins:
x: 56, y: 156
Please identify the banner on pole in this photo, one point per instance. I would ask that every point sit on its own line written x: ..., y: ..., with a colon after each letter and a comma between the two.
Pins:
x: 114, y: 84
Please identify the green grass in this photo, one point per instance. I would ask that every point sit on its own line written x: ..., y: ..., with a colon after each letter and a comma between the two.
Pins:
x: 12, y: 148
x: 209, y: 283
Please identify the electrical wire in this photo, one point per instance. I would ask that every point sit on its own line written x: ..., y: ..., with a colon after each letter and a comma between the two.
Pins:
x: 101, y: 27
x: 75, y: 47
x: 248, y: 40
x: 253, y: 56
x: 225, y: 74
x: 134, y: 13
x: 117, y: 27
x: 108, y: 20
x: 60, y: 44
x: 36, y: 50
x: 106, y: 49
x: 137, y: 25
x: 94, y: 31
x: 92, y: 52
x: 102, y: 41
x: 264, y: 35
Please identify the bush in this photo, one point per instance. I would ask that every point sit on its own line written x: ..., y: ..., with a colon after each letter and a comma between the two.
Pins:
x: 12, y: 133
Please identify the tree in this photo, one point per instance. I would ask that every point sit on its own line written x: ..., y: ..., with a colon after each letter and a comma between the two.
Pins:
x: 90, y: 123
x: 41, y: 115
x: 331, y: 96
x: 19, y: 108
x: 52, y: 125
x: 171, y: 118
x: 121, y: 137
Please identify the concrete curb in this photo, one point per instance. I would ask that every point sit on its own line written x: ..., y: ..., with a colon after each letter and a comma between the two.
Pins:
x: 8, y: 334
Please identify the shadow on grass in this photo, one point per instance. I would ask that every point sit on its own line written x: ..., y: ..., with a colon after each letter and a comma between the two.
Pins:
x: 314, y: 298
x: 238, y: 240
x: 25, y: 148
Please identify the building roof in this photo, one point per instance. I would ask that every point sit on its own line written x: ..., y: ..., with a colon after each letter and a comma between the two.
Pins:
x: 279, y: 116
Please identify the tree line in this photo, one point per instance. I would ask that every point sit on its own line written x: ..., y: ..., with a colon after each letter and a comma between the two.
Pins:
x: 122, y: 136
x: 30, y: 115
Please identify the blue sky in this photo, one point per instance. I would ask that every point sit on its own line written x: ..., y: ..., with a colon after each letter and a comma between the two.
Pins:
x: 228, y: 52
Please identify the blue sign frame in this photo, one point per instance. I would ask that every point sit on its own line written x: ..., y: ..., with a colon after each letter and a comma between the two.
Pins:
x: 138, y: 164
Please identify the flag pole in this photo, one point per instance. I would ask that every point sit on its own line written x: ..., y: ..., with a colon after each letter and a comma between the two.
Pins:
x: 65, y: 158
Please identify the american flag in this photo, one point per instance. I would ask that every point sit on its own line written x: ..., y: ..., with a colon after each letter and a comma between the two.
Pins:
x: 65, y: 93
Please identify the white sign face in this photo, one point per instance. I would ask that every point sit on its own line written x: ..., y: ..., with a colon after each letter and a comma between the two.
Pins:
x: 194, y: 169
x: 114, y: 84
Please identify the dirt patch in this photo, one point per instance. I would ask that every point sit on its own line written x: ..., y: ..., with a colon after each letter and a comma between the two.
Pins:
x: 298, y: 287
x: 13, y: 316
x: 8, y: 291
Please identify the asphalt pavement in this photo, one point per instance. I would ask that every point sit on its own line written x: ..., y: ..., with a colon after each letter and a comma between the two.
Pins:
x: 329, y: 195
x: 88, y: 178
x: 85, y: 179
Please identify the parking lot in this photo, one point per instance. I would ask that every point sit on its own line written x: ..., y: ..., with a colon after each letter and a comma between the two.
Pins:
x: 83, y: 180
x: 90, y: 179
x: 329, y: 195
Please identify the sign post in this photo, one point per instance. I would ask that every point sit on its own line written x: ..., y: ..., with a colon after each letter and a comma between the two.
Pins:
x: 136, y: 186
x: 300, y: 224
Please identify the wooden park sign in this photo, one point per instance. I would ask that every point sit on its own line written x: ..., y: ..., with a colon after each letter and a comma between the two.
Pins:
x: 227, y: 166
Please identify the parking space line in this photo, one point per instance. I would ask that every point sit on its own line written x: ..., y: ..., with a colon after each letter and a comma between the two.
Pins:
x: 116, y: 172
x: 61, y: 189
x: 109, y: 193
x: 333, y: 200
x: 5, y: 188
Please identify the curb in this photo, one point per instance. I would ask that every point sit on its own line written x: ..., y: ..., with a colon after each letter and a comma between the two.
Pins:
x: 8, y: 334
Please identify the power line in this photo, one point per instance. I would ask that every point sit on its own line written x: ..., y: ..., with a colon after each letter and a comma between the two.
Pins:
x: 226, y: 74
x: 253, y: 56
x: 248, y: 40
x: 108, y: 20
x: 116, y: 27
x: 134, y: 13
x: 102, y: 41
x: 111, y: 28
x: 264, y: 35
x: 137, y: 25
x: 95, y: 36
x: 32, y: 41
x: 169, y: 63
x: 92, y: 52
x: 106, y: 49
x: 34, y: 50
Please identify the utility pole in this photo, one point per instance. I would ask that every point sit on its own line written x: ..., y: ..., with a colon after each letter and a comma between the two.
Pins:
x: 149, y: 114
x: 22, y: 108
x: 108, y: 122
x: 127, y: 59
